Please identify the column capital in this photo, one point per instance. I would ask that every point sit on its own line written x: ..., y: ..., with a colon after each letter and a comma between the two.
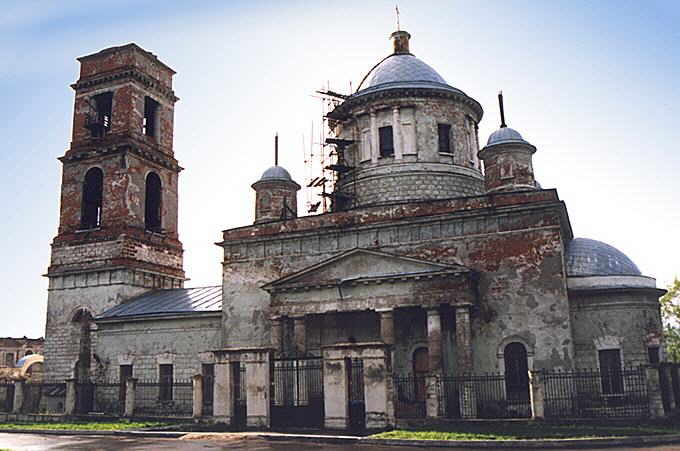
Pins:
x: 432, y: 311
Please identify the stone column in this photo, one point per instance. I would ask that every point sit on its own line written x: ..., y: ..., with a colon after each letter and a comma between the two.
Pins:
x: 654, y: 392
x: 197, y: 407
x: 396, y: 134
x: 375, y: 149
x: 387, y: 326
x: 70, y: 403
x: 258, y: 381
x: 277, y: 335
x: 223, y: 396
x: 537, y: 394
x: 434, y: 340
x: 18, y: 396
x: 463, y: 340
x: 336, y: 396
x: 130, y: 384
x: 432, y: 396
x: 300, y: 335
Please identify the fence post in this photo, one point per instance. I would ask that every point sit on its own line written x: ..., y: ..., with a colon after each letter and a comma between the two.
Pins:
x: 197, y: 396
x: 432, y: 396
x: 70, y: 404
x: 468, y: 400
x: 223, y: 397
x: 537, y: 394
x: 654, y: 392
x: 18, y: 396
x: 130, y: 384
x: 667, y: 368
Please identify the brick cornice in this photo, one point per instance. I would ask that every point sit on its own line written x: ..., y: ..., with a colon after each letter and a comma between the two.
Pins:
x: 123, y: 74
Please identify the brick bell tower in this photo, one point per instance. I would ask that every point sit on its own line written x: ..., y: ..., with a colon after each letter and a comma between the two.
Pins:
x: 117, y: 233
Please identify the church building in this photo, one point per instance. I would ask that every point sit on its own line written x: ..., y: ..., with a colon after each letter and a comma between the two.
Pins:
x: 437, y: 258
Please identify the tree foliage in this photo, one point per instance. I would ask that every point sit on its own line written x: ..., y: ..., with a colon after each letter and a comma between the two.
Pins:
x: 670, y: 312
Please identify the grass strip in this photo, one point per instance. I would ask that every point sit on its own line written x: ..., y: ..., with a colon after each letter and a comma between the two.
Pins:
x: 525, y: 431
x: 83, y: 426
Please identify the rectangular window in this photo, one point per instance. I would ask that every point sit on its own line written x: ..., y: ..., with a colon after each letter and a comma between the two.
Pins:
x: 653, y: 353
x: 610, y: 371
x: 165, y: 381
x: 444, y: 132
x: 386, y: 142
x: 9, y: 359
x: 150, y: 124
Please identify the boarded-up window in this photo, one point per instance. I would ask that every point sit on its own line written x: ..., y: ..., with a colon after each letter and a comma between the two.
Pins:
x: 653, y: 353
x: 386, y: 141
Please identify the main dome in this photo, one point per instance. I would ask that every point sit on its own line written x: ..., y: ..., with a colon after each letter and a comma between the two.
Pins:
x: 401, y: 70
x: 586, y: 257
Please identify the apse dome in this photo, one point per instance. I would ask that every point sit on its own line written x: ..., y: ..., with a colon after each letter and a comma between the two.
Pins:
x: 586, y: 257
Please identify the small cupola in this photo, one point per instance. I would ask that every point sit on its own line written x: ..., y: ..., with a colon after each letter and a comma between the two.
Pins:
x: 275, y: 193
x: 507, y: 159
x: 400, y: 40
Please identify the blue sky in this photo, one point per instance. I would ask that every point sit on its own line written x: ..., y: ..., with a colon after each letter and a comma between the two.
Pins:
x: 594, y: 85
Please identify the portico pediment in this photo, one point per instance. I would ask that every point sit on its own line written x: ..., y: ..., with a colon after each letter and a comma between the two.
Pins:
x: 362, y: 266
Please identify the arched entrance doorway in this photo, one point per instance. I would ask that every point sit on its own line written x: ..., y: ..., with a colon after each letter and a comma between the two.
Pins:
x: 516, y: 372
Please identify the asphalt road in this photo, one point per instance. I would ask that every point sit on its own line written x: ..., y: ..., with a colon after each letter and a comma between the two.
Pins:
x: 36, y: 442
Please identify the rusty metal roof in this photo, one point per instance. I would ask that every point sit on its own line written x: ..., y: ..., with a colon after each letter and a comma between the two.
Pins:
x: 172, y: 301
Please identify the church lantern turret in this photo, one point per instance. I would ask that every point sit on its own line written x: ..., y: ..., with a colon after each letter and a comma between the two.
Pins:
x: 275, y: 193
x: 507, y: 159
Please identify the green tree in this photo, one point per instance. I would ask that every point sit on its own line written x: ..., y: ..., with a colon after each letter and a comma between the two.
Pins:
x: 670, y: 312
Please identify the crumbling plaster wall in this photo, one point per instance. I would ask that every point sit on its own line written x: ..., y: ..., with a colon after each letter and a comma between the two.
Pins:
x: 629, y: 321
x: 518, y: 255
x: 421, y: 172
x: 147, y: 343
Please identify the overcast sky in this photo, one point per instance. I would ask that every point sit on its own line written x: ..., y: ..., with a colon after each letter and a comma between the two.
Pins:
x: 593, y: 85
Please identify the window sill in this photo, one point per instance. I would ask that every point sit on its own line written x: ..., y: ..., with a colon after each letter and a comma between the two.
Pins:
x: 92, y: 229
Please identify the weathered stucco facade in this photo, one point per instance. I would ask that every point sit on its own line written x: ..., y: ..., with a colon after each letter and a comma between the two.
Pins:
x: 437, y: 259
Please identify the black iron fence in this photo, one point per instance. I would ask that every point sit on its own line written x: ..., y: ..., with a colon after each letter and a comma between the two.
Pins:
x: 44, y: 397
x: 164, y: 398
x: 208, y: 394
x: 6, y: 396
x: 356, y: 398
x: 483, y: 396
x: 585, y: 393
x: 410, y: 393
x: 297, y: 393
x: 108, y: 397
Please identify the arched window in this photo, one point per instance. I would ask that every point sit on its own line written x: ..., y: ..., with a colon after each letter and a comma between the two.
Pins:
x: 516, y: 371
x: 152, y: 210
x: 91, y: 214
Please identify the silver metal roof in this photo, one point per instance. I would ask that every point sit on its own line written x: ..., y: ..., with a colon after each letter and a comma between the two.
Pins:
x: 401, y: 70
x: 276, y: 173
x: 176, y: 300
x: 586, y: 257
x: 505, y: 135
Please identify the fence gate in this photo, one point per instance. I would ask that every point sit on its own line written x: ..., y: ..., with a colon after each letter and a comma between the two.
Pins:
x: 239, y: 376
x: 357, y: 404
x: 84, y: 396
x: 297, y: 393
